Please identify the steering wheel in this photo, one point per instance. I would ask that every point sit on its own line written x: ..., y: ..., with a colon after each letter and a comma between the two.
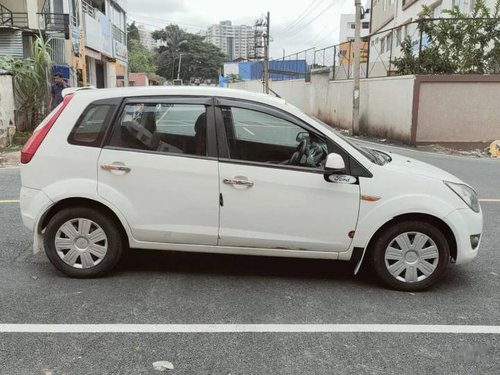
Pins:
x: 299, y: 152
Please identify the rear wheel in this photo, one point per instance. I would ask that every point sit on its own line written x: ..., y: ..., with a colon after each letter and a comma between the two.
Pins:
x: 83, y: 242
x: 410, y: 256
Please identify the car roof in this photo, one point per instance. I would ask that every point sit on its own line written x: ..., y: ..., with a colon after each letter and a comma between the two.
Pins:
x: 96, y: 94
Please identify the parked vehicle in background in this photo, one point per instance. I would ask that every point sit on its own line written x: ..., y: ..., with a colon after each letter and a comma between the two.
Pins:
x: 226, y: 171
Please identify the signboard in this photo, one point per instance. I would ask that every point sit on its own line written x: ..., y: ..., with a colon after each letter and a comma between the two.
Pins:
x: 75, y: 39
x: 106, y: 35
x: 121, y: 51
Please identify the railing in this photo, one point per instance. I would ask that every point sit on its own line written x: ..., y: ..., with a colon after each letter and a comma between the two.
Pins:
x: 119, y: 35
x: 88, y: 9
x: 8, y: 18
x: 384, y: 52
x: 54, y: 21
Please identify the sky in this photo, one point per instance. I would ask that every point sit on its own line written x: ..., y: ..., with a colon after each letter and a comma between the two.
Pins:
x: 295, y: 25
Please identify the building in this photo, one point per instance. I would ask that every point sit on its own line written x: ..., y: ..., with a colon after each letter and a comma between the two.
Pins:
x: 88, y: 37
x: 146, y: 38
x: 348, y: 25
x: 393, y: 21
x: 387, y: 14
x: 234, y: 41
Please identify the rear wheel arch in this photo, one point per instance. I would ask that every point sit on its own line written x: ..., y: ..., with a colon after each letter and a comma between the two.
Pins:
x: 82, y: 202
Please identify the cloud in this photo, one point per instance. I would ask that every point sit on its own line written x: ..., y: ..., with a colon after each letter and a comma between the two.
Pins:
x: 156, y: 7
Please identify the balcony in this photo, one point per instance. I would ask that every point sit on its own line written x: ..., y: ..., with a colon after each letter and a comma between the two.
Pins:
x: 12, y: 19
x: 54, y: 22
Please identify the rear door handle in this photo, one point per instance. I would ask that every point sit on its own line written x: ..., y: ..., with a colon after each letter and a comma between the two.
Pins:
x: 115, y: 167
x: 237, y: 182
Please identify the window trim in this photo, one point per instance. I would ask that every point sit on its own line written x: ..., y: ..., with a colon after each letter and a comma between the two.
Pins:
x: 114, y: 104
x: 166, y: 99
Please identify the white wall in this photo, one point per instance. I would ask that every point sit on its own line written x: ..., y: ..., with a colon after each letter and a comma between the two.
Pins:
x: 6, y: 107
x: 385, y: 105
x: 459, y: 112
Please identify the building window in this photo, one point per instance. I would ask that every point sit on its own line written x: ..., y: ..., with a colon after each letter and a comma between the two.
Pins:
x: 399, y: 35
x: 366, y: 25
x: 382, y: 45
x: 351, y: 25
x: 389, y: 42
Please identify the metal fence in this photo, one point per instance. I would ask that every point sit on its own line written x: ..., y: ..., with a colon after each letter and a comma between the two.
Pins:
x: 13, y: 19
x: 379, y: 51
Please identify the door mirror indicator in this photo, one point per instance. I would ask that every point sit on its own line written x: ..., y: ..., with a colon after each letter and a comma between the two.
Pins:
x: 334, y: 163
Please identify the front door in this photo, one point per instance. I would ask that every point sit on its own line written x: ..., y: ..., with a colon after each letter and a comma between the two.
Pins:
x: 273, y: 186
x: 160, y: 170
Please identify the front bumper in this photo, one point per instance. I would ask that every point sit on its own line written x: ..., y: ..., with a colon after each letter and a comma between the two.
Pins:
x: 465, y: 223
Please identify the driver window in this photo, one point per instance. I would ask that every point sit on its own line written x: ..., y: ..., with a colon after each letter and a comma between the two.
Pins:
x: 259, y: 137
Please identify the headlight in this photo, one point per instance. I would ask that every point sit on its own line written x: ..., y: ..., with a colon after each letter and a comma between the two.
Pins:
x: 466, y: 193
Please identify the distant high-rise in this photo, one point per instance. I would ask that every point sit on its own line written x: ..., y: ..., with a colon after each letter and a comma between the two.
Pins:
x: 235, y: 41
x: 146, y: 38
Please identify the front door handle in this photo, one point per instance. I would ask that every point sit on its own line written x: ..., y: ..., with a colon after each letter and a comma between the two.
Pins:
x: 115, y: 167
x: 237, y: 182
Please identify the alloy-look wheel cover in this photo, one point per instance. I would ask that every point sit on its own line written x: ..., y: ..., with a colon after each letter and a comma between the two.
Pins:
x: 411, y: 257
x: 81, y: 243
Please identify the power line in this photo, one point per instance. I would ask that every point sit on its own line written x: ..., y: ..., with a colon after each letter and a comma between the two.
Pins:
x: 164, y: 21
x: 301, y: 16
x: 297, y: 30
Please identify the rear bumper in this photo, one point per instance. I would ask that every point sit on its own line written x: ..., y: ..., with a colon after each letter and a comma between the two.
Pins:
x: 464, y: 224
x: 34, y: 203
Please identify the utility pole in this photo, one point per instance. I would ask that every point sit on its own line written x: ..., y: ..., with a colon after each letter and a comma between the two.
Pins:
x: 266, y: 54
x: 179, y: 68
x: 357, y: 63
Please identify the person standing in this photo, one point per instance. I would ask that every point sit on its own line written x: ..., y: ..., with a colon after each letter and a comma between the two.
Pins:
x: 56, y: 90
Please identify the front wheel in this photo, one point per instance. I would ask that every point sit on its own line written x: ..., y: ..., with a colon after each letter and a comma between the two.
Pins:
x: 410, y: 256
x: 82, y: 242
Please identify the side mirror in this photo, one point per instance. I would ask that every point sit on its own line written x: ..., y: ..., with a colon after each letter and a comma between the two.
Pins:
x: 301, y: 136
x: 334, y: 163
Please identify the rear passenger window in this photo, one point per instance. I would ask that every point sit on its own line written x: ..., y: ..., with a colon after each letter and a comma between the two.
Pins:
x: 91, y: 127
x: 168, y: 128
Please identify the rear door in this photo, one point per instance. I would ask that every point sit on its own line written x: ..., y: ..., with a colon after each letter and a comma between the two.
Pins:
x: 160, y: 169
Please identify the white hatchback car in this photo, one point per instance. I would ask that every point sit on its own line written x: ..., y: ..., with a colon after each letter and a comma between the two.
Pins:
x: 225, y: 171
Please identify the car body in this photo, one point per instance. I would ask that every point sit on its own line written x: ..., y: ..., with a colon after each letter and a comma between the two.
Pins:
x: 227, y: 171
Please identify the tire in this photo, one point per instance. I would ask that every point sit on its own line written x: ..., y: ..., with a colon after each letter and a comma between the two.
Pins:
x: 89, y: 243
x: 410, y: 256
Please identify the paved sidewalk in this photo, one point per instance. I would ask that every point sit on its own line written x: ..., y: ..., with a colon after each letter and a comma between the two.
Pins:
x: 10, y: 159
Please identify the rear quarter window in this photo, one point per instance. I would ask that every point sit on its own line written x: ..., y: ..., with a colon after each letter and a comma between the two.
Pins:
x: 91, y: 126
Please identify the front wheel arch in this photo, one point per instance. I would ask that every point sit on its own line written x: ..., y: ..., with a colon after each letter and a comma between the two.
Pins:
x: 440, y: 224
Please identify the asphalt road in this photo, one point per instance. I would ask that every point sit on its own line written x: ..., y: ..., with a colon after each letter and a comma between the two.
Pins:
x: 167, y: 287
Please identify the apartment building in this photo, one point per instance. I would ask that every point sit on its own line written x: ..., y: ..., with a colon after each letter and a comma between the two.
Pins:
x: 88, y: 37
x: 236, y: 41
x: 348, y: 25
x: 394, y: 20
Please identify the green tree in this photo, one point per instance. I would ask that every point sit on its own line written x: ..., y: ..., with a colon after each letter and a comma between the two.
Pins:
x: 133, y: 32
x: 199, y: 58
x: 140, y: 59
x: 462, y: 43
x: 31, y: 83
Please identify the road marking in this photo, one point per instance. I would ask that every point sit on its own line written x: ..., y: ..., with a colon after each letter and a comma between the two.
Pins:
x: 489, y: 200
x: 247, y: 328
x: 9, y: 200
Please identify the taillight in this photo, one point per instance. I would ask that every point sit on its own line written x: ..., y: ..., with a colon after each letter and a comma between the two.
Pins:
x: 39, y: 134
